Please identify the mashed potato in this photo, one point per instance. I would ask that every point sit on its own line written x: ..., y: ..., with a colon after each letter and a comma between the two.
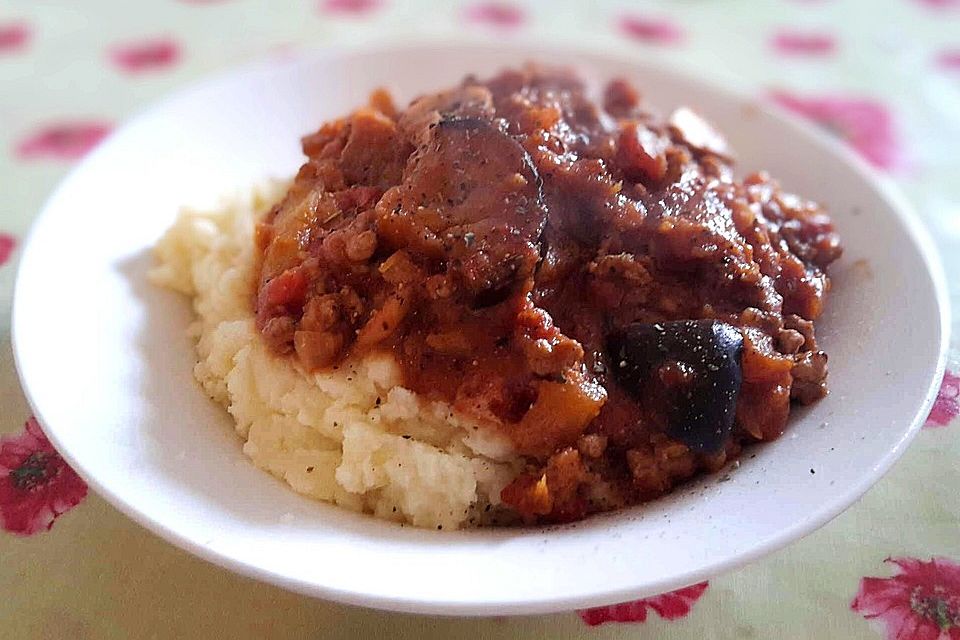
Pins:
x: 352, y: 436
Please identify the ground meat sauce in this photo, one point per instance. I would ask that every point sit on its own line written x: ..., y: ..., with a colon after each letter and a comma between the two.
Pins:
x: 586, y: 278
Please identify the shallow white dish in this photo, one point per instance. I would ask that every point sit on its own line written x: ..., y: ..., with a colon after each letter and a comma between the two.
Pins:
x: 107, y: 367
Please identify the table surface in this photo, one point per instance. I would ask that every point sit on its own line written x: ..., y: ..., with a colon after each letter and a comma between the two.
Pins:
x: 882, y: 74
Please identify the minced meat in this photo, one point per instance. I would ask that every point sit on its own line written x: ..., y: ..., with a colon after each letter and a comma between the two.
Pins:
x: 588, y: 278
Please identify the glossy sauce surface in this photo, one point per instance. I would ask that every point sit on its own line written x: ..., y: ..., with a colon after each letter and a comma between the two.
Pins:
x: 527, y: 254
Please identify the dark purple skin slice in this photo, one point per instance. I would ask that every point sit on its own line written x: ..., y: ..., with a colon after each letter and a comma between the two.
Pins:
x: 701, y: 412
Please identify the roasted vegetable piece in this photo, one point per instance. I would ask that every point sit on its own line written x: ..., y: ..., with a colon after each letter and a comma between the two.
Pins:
x: 472, y: 199
x: 687, y: 373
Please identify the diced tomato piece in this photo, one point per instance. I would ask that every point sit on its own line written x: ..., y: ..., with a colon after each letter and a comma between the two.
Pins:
x: 287, y: 289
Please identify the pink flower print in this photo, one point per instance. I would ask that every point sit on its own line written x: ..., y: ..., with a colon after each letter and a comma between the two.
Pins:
x: 148, y: 55
x: 920, y: 602
x: 7, y: 244
x: 669, y: 606
x: 13, y: 37
x: 866, y: 125
x: 36, y: 485
x: 68, y: 140
x: 650, y: 30
x: 947, y: 405
x: 496, y: 14
x: 940, y: 4
x: 800, y: 43
x: 949, y: 60
x: 350, y: 7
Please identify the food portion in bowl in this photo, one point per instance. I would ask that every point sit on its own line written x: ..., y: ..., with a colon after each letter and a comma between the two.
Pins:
x: 507, y: 302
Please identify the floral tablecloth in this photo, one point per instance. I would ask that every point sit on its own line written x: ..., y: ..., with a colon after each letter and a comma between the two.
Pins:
x: 882, y: 74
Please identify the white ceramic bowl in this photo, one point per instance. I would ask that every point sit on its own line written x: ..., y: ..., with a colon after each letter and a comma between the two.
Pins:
x: 106, y: 365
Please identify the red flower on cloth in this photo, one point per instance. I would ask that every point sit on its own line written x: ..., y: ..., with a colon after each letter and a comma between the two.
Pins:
x: 148, y: 55
x: 669, y: 606
x: 356, y: 7
x: 650, y: 30
x: 13, y: 37
x: 36, y: 485
x: 497, y: 14
x: 789, y: 42
x: 949, y: 60
x: 63, y: 140
x: 947, y: 405
x: 920, y: 602
x: 866, y: 125
x: 940, y: 4
x: 7, y: 243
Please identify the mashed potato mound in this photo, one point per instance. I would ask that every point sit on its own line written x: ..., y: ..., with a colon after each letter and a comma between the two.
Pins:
x: 353, y: 436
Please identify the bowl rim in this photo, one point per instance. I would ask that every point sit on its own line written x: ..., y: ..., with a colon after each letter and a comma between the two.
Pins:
x: 598, y: 50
